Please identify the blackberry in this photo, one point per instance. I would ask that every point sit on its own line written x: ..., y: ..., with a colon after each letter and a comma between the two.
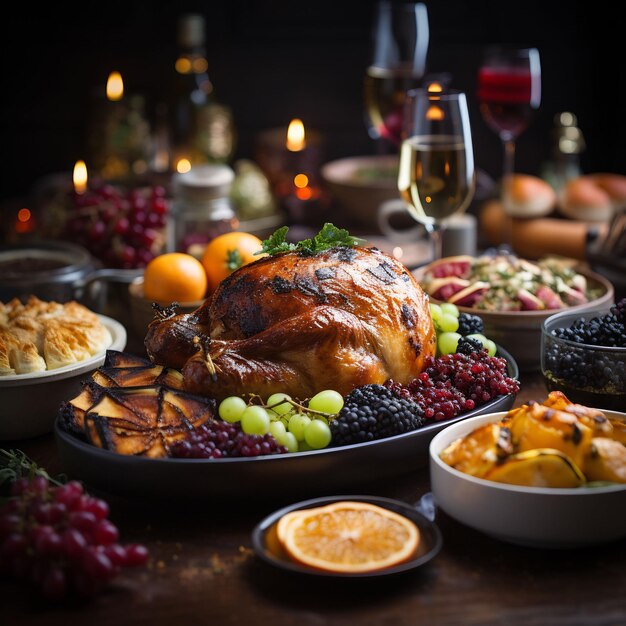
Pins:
x: 470, y: 324
x: 374, y: 412
x: 467, y: 345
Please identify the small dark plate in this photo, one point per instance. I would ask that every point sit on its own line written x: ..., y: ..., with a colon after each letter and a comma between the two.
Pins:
x: 265, y: 542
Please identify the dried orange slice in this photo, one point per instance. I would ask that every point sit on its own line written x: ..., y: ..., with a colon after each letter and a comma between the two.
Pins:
x: 348, y: 537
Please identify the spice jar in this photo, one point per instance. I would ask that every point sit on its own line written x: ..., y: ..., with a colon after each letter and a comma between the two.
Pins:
x: 201, y: 209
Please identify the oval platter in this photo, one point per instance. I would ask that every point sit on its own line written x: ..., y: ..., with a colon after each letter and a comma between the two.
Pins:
x: 272, y: 477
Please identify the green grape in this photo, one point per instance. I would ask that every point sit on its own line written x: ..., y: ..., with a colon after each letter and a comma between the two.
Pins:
x: 255, y: 420
x: 290, y: 442
x: 317, y: 434
x: 435, y: 312
x: 303, y: 446
x: 451, y: 309
x: 491, y: 347
x: 279, y: 409
x: 232, y: 408
x: 448, y: 323
x: 447, y: 342
x: 297, y: 424
x: 278, y: 430
x: 327, y: 401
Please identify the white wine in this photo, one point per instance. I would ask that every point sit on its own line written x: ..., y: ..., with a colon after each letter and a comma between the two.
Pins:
x: 385, y: 94
x: 435, y: 177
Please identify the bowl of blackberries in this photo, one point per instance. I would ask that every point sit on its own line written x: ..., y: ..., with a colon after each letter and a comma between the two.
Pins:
x: 584, y: 356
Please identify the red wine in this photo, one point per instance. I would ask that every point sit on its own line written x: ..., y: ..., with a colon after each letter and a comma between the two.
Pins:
x: 508, y: 98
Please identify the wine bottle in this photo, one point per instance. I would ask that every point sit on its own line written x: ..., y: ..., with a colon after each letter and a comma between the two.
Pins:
x: 202, y: 129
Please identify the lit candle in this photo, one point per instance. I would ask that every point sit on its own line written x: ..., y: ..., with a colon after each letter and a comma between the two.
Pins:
x: 79, y: 177
x: 115, y: 87
x: 295, y: 136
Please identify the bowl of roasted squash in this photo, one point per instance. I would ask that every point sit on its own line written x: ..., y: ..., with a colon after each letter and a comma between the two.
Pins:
x: 548, y: 474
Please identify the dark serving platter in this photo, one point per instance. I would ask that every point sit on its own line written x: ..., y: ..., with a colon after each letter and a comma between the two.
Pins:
x: 319, y: 472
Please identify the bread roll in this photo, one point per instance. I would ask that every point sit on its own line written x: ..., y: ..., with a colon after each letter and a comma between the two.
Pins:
x: 593, y: 197
x: 528, y: 196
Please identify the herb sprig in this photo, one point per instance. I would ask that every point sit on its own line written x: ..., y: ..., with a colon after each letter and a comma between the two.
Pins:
x: 15, y: 464
x: 328, y: 237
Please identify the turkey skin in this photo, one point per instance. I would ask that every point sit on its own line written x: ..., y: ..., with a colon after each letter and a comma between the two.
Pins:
x: 296, y: 323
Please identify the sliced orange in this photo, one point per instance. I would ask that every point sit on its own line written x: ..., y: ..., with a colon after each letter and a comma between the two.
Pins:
x: 348, y: 537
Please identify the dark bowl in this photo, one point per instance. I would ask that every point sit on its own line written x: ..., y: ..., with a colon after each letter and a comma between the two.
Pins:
x: 273, y: 477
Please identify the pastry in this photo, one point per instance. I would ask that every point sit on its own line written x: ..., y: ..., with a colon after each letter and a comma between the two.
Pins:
x: 36, y: 336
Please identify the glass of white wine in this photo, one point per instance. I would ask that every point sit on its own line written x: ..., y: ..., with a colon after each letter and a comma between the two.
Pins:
x: 436, y: 177
x: 400, y: 48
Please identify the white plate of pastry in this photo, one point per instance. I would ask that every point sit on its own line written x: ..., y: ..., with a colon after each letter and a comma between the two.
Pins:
x: 46, y: 348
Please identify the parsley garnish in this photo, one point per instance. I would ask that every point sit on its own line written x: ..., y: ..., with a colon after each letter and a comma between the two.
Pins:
x: 329, y: 237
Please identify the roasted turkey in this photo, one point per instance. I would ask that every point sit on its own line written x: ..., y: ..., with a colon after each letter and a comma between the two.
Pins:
x: 298, y: 323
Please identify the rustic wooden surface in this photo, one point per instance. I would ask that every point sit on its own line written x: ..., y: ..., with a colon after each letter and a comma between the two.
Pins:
x: 203, y: 571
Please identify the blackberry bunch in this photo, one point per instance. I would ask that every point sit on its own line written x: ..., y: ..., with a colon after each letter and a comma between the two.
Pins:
x: 216, y: 440
x: 590, y: 369
x: 604, y: 330
x: 467, y: 345
x: 470, y: 324
x: 374, y: 412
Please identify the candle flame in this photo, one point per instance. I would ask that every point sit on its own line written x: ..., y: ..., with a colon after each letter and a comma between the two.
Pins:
x: 80, y: 177
x: 183, y: 166
x: 295, y: 136
x: 115, y: 87
x: 301, y: 181
x: 435, y: 88
x: 434, y: 113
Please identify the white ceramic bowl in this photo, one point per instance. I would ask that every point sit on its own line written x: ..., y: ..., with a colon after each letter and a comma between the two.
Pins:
x: 358, y: 194
x: 532, y: 516
x: 30, y: 402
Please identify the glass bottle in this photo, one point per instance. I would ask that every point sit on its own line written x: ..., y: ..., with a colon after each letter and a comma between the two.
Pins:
x: 201, y: 209
x: 202, y: 129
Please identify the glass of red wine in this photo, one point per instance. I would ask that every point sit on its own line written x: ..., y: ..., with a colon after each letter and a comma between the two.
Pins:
x: 509, y: 94
x: 398, y: 64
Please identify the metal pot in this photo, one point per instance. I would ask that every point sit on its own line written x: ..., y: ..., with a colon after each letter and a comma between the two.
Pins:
x: 57, y: 271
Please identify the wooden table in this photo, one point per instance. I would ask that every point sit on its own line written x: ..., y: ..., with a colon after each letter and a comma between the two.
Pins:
x: 203, y: 571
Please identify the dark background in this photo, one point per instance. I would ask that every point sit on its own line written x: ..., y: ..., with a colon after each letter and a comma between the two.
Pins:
x: 274, y: 60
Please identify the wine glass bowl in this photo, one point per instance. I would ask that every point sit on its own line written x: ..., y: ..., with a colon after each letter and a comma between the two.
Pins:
x: 508, y: 94
x: 436, y: 177
x: 509, y: 90
x: 398, y: 64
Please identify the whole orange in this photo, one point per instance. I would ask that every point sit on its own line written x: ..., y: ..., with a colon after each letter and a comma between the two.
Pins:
x: 174, y: 277
x: 228, y: 252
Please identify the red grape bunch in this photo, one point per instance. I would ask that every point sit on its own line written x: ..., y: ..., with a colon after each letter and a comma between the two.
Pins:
x: 60, y: 539
x: 121, y: 229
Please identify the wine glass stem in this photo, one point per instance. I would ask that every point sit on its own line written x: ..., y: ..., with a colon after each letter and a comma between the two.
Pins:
x: 434, y: 230
x: 507, y: 173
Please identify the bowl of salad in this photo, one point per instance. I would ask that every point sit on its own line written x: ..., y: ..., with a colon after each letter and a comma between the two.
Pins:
x: 514, y: 296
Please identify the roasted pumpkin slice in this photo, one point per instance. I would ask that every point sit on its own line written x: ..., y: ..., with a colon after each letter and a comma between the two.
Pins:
x: 619, y: 429
x: 171, y: 378
x: 479, y: 451
x: 117, y: 358
x: 543, y: 467
x: 132, y: 376
x: 595, y: 419
x: 539, y: 426
x: 72, y: 412
x: 110, y: 435
x: 193, y: 408
x: 606, y: 460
